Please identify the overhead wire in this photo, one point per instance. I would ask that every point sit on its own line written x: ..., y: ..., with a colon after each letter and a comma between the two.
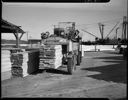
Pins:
x: 86, y: 26
x: 99, y: 22
x: 118, y: 26
x: 112, y: 29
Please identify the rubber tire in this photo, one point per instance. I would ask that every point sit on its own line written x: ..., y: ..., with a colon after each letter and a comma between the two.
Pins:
x: 70, y: 66
x: 125, y: 53
x: 80, y: 56
x: 121, y: 51
x: 78, y: 59
x: 74, y: 66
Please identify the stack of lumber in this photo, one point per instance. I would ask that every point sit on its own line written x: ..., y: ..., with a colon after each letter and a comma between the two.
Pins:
x: 5, y: 61
x: 5, y: 65
x: 25, y: 64
x: 50, y: 56
x: 16, y: 69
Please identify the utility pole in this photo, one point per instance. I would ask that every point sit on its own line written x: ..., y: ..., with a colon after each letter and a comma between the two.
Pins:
x: 30, y: 40
x: 124, y: 28
x: 102, y: 31
x: 17, y: 45
x: 27, y: 37
x: 101, y: 28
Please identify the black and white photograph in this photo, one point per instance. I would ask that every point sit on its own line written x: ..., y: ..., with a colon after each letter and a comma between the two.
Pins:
x: 64, y: 50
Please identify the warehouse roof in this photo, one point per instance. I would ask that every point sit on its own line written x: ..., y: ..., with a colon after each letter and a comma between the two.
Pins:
x: 7, y: 27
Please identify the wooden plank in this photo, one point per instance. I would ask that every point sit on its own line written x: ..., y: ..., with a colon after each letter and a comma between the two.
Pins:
x: 51, y: 55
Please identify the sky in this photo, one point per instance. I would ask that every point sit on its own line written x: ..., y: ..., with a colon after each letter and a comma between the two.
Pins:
x: 35, y: 18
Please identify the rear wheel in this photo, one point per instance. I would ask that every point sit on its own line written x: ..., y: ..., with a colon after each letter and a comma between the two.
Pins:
x: 71, y: 65
x: 125, y: 53
x: 75, y: 60
x: 121, y: 51
x: 78, y: 58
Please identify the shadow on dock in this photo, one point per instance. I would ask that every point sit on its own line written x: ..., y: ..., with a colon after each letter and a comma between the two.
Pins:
x: 54, y: 71
x: 111, y: 58
x: 121, y: 99
x: 116, y: 72
x: 113, y: 52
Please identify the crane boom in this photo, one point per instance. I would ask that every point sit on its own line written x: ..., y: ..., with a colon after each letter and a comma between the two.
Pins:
x: 111, y: 30
x: 89, y: 33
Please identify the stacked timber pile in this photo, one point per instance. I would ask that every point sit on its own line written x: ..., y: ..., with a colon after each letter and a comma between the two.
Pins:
x: 24, y: 63
x: 50, y: 56
x: 5, y: 61
x: 16, y: 69
x: 5, y: 65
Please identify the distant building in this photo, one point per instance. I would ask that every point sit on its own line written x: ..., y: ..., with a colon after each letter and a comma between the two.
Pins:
x: 34, y: 41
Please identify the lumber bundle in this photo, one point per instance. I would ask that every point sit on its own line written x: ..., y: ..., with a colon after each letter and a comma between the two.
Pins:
x: 24, y: 63
x: 5, y: 61
x: 50, y: 56
x: 17, y: 72
x: 16, y: 69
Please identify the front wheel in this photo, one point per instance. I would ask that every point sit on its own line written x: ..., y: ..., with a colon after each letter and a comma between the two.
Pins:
x: 70, y: 65
x: 78, y: 58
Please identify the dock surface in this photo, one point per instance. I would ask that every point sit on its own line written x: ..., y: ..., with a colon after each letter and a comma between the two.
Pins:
x: 100, y: 75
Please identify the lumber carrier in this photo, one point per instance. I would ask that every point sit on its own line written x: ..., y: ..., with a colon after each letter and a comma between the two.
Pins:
x: 65, y: 37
